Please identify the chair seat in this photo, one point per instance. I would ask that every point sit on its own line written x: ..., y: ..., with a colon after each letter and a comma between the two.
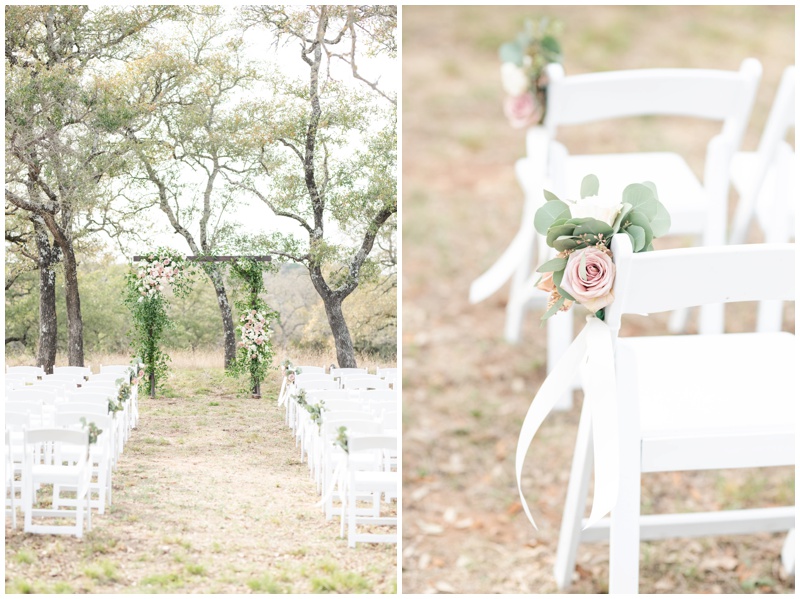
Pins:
x: 678, y: 187
x: 678, y: 420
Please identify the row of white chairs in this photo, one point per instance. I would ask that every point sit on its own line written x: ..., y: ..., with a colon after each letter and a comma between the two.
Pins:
x: 47, y: 442
x: 367, y: 472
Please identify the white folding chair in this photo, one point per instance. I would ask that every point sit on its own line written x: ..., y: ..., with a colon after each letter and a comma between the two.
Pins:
x: 765, y: 182
x: 101, y: 454
x: 56, y: 456
x: 688, y: 402
x: 376, y: 482
x: 371, y: 381
x: 696, y: 209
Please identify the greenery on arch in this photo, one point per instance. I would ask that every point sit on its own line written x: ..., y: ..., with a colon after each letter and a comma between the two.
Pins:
x: 146, y: 284
x: 254, y: 352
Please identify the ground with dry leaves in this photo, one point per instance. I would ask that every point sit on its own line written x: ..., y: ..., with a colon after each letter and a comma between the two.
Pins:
x: 465, y: 390
x: 209, y: 496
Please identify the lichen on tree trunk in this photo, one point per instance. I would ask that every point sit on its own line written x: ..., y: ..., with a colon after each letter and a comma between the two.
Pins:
x: 48, y: 331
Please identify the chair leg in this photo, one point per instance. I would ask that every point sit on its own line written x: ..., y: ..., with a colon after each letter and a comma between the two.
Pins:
x: 678, y: 320
x: 624, y: 534
x: 788, y: 553
x: 351, y: 517
x: 575, y: 503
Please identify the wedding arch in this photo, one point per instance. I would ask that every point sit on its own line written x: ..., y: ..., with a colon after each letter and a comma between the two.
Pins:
x: 162, y: 268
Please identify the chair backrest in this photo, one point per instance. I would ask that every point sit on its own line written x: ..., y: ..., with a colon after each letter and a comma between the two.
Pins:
x: 310, y: 369
x: 665, y: 280
x: 772, y: 150
x: 81, y: 371
x: 369, y: 442
x: 89, y: 396
x: 313, y: 376
x: 110, y: 378
x: 713, y: 94
x: 35, y: 393
x: 382, y: 372
x: 320, y: 384
x: 364, y: 382
x: 63, y: 377
x: 330, y: 427
x: 343, y: 405
x: 84, y: 408
x: 58, y: 438
x: 379, y: 394
x: 29, y: 370
x: 339, y: 372
x: 327, y: 394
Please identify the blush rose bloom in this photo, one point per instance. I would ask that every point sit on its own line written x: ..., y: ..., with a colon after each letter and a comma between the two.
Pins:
x: 515, y: 81
x: 598, y: 207
x: 595, y: 292
x: 521, y: 111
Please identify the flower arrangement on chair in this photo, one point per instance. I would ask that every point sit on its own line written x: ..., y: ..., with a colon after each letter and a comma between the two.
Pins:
x: 522, y: 71
x: 583, y: 270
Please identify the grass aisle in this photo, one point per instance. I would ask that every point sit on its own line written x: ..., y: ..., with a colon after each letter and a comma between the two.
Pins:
x: 209, y: 496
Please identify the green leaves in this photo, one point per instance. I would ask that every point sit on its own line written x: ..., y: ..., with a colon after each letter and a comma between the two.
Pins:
x: 589, y: 186
x: 512, y: 52
x: 548, y: 213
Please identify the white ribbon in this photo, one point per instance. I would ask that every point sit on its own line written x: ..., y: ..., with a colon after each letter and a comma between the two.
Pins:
x: 592, y: 354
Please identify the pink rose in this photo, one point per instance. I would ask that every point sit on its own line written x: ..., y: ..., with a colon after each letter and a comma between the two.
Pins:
x: 521, y: 111
x: 594, y: 292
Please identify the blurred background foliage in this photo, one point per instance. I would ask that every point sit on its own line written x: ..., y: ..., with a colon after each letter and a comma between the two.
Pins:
x: 371, y: 313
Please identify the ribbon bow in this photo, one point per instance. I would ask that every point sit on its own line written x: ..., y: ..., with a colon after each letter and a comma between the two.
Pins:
x: 592, y: 354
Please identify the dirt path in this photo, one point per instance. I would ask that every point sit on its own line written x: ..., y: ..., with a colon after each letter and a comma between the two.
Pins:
x: 209, y: 496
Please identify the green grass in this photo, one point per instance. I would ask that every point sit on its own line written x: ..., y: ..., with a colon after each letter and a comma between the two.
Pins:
x: 166, y: 581
x: 196, y: 569
x: 23, y: 556
x: 266, y: 584
x: 102, y: 571
x: 340, y: 582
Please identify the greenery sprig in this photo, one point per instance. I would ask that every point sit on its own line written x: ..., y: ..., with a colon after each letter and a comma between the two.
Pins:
x: 342, y: 439
x: 94, y: 431
x: 523, y: 70
x: 581, y: 233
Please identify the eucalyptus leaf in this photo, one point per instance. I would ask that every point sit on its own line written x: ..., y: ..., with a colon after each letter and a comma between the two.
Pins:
x: 641, y: 198
x: 637, y: 235
x: 553, y: 309
x: 623, y: 213
x: 595, y: 227
x: 550, y: 196
x: 553, y: 265
x: 652, y: 187
x: 512, y: 52
x: 566, y: 243
x: 556, y: 231
x: 589, y: 186
x: 635, y: 218
x: 578, y: 221
x: 551, y: 44
x: 661, y: 222
x: 558, y: 276
x: 548, y: 213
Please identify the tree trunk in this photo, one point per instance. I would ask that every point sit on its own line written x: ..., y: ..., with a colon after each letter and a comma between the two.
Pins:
x: 226, y: 313
x: 73, y: 298
x: 345, y: 354
x: 48, y: 331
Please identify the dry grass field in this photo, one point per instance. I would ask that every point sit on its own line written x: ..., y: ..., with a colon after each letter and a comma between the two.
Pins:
x: 209, y: 497
x: 465, y: 389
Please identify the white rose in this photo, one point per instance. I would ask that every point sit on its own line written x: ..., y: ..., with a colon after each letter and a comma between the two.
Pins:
x: 515, y: 81
x: 598, y: 207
